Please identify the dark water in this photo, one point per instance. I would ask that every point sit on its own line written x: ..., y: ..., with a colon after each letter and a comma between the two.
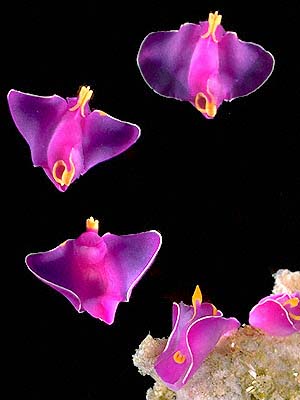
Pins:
x: 225, y: 193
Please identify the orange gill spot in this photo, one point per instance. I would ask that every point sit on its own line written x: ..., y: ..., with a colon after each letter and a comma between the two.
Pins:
x: 92, y: 224
x: 293, y: 302
x: 84, y: 97
x: 214, y: 20
x: 294, y: 316
x: 205, y: 106
x: 178, y: 357
x: 61, y: 174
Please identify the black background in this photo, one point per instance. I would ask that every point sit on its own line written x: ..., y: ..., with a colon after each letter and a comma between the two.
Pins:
x: 224, y: 193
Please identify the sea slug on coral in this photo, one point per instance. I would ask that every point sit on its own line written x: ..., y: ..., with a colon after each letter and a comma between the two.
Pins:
x: 246, y: 365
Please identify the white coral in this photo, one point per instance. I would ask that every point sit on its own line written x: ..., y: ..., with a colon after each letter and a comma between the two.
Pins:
x: 286, y: 281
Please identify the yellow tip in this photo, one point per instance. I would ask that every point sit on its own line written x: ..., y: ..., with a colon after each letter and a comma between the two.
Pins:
x: 92, y: 224
x: 61, y: 174
x: 84, y: 97
x: 214, y: 20
x: 215, y: 310
x: 197, y: 296
x: 178, y: 357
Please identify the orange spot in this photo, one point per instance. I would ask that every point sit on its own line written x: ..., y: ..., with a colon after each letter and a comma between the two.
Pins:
x: 178, y: 357
x: 61, y: 174
x: 204, y: 105
x: 92, y: 224
x: 214, y: 20
x: 102, y: 113
x: 85, y: 95
x: 293, y: 302
x: 294, y: 316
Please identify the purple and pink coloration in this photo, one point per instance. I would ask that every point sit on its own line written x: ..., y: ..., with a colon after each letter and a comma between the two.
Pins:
x: 95, y: 273
x: 196, y: 331
x: 277, y: 314
x: 203, y: 64
x: 65, y: 137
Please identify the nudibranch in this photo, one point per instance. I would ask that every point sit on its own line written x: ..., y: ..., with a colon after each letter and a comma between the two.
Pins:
x: 95, y: 273
x: 203, y: 64
x: 196, y: 331
x: 65, y: 137
x: 277, y: 314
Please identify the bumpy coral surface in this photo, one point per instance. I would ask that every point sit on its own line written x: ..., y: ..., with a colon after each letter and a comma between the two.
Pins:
x: 286, y: 281
x: 247, y: 365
